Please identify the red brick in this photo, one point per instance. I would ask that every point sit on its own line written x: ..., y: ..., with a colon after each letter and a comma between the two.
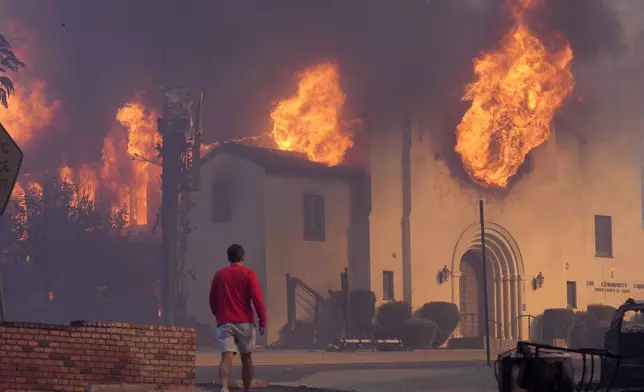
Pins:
x: 62, y: 358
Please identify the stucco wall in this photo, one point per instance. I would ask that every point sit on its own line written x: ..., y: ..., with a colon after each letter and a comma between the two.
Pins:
x: 612, y: 171
x: 208, y: 241
x: 318, y: 264
x: 386, y: 205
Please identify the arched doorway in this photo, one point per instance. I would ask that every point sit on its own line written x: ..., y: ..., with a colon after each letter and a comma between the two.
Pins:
x: 471, y: 295
x: 505, y: 282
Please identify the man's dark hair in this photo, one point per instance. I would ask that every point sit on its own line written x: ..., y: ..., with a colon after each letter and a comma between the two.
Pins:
x: 235, y: 253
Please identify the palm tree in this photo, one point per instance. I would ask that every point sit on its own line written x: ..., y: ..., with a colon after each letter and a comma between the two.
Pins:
x: 8, y: 61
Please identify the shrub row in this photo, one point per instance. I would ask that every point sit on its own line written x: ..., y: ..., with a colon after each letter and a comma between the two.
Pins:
x: 582, y: 329
x: 433, y: 324
x: 429, y: 326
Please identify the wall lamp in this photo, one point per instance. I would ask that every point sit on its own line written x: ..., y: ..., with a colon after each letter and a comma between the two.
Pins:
x: 444, y: 274
x: 537, y: 282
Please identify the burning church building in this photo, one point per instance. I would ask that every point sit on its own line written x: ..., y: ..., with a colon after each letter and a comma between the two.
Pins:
x: 559, y: 174
x: 562, y: 200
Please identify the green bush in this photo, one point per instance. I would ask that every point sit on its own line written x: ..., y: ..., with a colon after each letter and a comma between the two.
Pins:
x: 557, y: 324
x: 300, y: 336
x: 363, y: 310
x: 584, y: 323
x: 602, y: 312
x: 445, y: 315
x: 391, y: 316
x: 588, y: 331
x: 329, y: 321
x: 418, y: 332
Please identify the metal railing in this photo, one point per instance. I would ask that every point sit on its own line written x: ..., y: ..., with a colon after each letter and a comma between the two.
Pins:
x: 477, y: 326
x: 306, y: 298
x: 530, y: 318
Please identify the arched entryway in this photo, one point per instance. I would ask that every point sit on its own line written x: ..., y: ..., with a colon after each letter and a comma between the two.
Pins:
x: 471, y: 295
x: 505, y: 282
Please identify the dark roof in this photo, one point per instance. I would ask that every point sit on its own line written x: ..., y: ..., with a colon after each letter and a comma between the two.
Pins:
x: 285, y: 163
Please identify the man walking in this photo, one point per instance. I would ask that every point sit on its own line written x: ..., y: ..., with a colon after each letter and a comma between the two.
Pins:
x: 233, y: 290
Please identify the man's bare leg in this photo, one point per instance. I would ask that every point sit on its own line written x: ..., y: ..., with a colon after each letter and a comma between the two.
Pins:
x: 247, y: 370
x: 224, y: 369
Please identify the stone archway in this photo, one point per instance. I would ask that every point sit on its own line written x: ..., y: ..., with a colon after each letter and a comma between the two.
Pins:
x: 505, y: 278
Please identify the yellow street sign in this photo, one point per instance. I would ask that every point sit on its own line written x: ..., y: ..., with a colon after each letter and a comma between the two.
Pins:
x: 10, y: 160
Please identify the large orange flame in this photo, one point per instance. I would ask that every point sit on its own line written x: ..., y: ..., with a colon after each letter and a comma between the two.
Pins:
x: 518, y: 89
x: 143, y: 138
x: 128, y: 170
x: 311, y: 121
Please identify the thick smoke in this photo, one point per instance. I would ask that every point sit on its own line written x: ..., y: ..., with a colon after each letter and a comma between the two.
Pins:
x: 590, y: 26
x: 397, y: 55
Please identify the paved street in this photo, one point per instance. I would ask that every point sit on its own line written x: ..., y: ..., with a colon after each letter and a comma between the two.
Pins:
x: 416, y: 371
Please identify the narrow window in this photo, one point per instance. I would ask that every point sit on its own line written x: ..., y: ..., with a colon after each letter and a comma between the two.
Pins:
x: 603, y: 236
x: 222, y: 201
x: 314, y: 229
x: 388, y: 285
x: 571, y: 295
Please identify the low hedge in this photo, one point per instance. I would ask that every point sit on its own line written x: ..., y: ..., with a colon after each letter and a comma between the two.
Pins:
x: 363, y: 309
x: 301, y: 335
x: 418, y: 333
x: 602, y: 312
x: 557, y: 324
x: 391, y: 316
x: 445, y: 315
x: 588, y: 331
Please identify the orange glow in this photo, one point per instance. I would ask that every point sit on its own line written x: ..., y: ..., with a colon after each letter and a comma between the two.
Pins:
x: 122, y: 175
x: 126, y: 173
x: 518, y: 89
x: 84, y: 179
x: 311, y: 121
x: 28, y: 113
x: 18, y: 195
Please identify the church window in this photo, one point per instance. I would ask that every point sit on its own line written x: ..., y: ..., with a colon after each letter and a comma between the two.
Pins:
x: 222, y: 201
x: 571, y: 294
x: 314, y: 225
x: 603, y: 236
x: 388, y: 285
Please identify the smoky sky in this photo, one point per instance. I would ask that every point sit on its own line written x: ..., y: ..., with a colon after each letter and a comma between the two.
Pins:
x: 244, y: 54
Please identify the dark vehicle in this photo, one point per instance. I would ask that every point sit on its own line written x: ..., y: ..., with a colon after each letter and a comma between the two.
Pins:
x: 625, y: 337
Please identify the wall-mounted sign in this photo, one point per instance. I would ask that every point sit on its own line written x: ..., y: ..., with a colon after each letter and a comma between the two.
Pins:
x: 613, y: 287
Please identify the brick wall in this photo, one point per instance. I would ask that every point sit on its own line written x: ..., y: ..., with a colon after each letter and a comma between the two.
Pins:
x: 68, y: 358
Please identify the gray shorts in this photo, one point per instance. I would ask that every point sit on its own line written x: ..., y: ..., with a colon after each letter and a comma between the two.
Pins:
x: 236, y: 338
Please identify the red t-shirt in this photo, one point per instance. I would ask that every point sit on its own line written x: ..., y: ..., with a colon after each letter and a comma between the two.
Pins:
x: 232, y: 291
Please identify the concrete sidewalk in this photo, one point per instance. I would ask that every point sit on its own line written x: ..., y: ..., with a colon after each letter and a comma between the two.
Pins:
x: 470, y: 379
x: 200, y: 388
x: 368, y: 371
x: 211, y: 357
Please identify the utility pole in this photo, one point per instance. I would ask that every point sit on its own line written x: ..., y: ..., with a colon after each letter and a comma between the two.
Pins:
x: 180, y: 129
x: 484, y: 268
